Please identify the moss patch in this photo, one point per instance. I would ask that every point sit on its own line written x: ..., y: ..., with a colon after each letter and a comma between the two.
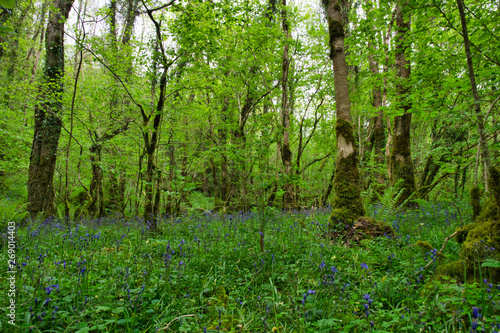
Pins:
x: 494, y: 182
x: 401, y: 162
x: 347, y: 205
x: 475, y: 194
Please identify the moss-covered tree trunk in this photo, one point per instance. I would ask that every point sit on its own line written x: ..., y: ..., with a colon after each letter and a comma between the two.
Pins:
x: 47, y: 120
x: 401, y: 162
x: 347, y: 204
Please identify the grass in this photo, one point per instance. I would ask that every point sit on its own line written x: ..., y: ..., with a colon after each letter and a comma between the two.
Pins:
x: 212, y: 273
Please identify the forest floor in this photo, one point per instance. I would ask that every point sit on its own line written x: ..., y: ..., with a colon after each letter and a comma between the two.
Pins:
x: 266, y: 271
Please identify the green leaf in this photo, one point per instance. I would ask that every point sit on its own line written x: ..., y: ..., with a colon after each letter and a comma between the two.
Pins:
x: 9, y: 4
x: 6, y: 30
x: 491, y: 263
x: 102, y: 308
x: 83, y: 330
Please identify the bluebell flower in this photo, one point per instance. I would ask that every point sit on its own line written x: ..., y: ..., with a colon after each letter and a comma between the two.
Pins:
x: 473, y: 326
x: 475, y: 312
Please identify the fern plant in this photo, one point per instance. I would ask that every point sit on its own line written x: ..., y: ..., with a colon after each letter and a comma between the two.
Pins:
x: 386, y: 207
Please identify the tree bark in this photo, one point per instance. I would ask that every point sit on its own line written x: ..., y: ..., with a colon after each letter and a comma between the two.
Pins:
x: 401, y: 161
x: 483, y: 142
x: 347, y: 204
x: 378, y: 139
x: 286, y: 152
x: 47, y: 119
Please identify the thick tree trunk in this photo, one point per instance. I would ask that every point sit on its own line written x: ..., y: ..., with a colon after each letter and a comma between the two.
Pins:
x: 483, y: 143
x: 401, y: 162
x: 347, y: 204
x: 117, y: 187
x: 47, y: 119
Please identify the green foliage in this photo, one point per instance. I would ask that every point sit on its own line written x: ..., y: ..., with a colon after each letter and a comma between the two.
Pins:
x: 9, y: 4
x: 387, y: 201
x: 208, y: 271
x: 11, y: 210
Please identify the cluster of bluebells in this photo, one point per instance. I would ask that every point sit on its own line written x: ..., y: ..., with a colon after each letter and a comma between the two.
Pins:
x: 475, y: 316
x: 368, y: 304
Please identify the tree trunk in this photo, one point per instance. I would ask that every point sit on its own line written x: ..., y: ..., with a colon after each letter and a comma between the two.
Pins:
x: 286, y: 152
x: 47, y: 119
x: 121, y: 56
x: 483, y: 143
x: 401, y: 162
x: 224, y: 172
x: 378, y: 139
x: 347, y: 204
x: 96, y: 206
x: 150, y: 137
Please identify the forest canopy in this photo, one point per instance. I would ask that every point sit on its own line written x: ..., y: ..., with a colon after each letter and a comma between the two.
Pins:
x: 150, y: 108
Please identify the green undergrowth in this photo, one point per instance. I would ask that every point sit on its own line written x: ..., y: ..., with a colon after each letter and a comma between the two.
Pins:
x: 264, y: 271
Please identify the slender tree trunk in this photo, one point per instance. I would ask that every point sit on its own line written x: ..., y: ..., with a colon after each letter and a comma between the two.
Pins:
x: 401, y: 161
x: 286, y: 152
x: 96, y: 206
x: 347, y: 204
x: 47, y: 116
x: 483, y: 143
x: 378, y: 121
x: 121, y: 55
x: 224, y: 172
x: 150, y: 137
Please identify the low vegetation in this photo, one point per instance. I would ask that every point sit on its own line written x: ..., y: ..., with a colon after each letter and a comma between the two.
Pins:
x: 260, y: 271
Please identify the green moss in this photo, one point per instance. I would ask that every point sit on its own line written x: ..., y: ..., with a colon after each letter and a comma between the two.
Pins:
x: 401, y: 163
x: 426, y: 246
x: 494, y: 182
x: 489, y: 211
x: 347, y: 205
x: 475, y: 194
x: 480, y: 239
x: 462, y: 233
x: 455, y: 269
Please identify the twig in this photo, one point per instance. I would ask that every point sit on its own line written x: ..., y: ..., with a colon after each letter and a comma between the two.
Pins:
x: 442, y: 248
x: 166, y: 327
